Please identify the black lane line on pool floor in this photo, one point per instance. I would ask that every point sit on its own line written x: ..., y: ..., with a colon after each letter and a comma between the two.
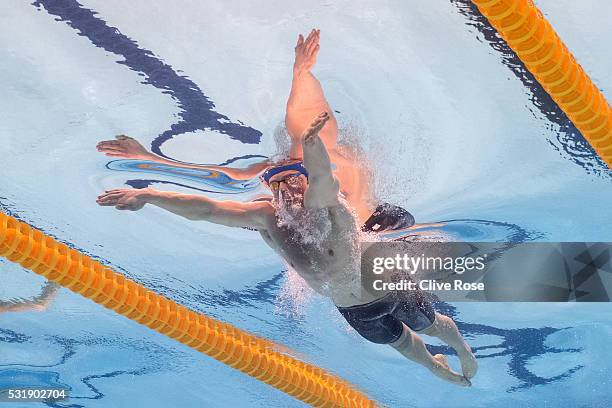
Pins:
x: 522, y: 346
x: 196, y: 109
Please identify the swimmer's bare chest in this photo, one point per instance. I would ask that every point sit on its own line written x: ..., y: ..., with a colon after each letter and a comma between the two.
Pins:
x: 326, y: 265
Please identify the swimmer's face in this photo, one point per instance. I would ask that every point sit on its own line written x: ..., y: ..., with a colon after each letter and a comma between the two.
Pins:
x: 288, y: 187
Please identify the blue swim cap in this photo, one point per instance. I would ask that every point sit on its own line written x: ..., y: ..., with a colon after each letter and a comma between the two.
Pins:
x: 267, y: 175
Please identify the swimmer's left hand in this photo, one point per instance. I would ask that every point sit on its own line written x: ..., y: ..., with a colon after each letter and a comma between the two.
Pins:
x: 124, y: 146
x: 123, y: 199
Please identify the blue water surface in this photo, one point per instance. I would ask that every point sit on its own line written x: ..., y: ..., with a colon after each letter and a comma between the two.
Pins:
x: 456, y: 130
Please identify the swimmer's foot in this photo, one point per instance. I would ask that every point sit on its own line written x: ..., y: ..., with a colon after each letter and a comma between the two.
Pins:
x: 306, y: 51
x: 469, y: 365
x: 442, y: 370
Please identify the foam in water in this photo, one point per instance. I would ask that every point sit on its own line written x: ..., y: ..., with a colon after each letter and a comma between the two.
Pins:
x: 294, y: 295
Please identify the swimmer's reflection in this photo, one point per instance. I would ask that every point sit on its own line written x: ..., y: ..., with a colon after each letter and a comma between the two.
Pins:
x: 36, y: 304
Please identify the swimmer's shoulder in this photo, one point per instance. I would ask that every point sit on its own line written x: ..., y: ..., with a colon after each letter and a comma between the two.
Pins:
x: 343, y: 216
x: 263, y: 205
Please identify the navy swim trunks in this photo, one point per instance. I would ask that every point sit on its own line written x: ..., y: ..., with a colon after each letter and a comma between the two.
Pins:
x: 388, y: 217
x: 380, y: 321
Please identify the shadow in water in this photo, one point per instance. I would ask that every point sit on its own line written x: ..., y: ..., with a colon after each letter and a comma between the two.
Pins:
x: 521, y: 345
x: 151, y: 357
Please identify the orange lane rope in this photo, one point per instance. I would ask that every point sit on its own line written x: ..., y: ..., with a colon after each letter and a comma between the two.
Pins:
x: 522, y: 25
x: 252, y: 355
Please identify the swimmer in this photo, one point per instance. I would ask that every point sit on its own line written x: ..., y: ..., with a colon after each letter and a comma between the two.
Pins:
x: 36, y: 304
x: 306, y: 99
x: 306, y: 203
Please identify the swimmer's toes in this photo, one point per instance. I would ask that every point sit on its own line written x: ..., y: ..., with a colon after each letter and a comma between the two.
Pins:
x: 446, y: 373
x: 461, y: 380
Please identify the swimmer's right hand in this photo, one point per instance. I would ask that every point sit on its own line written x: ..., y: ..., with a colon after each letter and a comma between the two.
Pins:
x: 124, y: 146
x: 124, y: 198
x: 315, y: 127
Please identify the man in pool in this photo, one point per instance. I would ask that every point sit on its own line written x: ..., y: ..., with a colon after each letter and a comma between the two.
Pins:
x: 310, y: 225
x: 305, y: 101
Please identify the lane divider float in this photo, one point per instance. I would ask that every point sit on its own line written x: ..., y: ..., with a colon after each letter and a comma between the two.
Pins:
x: 243, y: 351
x: 521, y: 24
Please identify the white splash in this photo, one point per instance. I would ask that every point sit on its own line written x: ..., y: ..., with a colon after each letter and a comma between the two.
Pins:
x: 309, y: 226
x: 294, y: 296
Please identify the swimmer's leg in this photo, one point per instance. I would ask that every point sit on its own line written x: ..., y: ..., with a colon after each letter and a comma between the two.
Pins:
x: 411, y: 346
x: 306, y: 99
x: 446, y: 330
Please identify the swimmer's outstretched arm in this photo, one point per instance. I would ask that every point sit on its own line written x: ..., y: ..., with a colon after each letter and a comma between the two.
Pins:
x: 323, y: 188
x: 37, y: 304
x: 129, y: 148
x: 193, y: 207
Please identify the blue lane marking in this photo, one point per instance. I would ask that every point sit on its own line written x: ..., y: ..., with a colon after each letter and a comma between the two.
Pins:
x: 196, y: 110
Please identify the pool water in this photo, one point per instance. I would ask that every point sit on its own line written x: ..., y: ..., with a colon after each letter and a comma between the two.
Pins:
x: 454, y: 130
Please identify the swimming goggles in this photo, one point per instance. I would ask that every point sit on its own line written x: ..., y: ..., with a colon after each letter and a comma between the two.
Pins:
x: 290, y: 179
